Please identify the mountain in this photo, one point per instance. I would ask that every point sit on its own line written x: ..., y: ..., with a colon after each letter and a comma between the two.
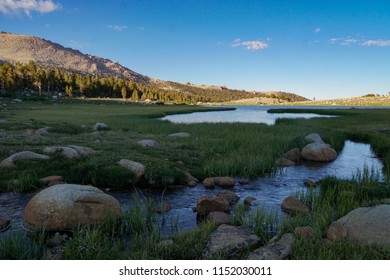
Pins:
x: 24, y: 48
x: 16, y: 48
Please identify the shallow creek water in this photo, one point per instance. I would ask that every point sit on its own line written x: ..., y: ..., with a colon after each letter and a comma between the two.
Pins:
x: 269, y: 191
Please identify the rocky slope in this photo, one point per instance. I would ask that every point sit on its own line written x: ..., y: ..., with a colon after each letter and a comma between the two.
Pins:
x: 24, y: 48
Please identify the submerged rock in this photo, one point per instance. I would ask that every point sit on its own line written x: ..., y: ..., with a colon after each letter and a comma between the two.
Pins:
x: 10, y: 161
x: 219, y: 181
x: 65, y: 207
x: 207, y: 204
x: 230, y: 241
x: 163, y: 207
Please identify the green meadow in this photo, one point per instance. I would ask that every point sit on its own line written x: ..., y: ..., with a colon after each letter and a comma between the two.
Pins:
x: 231, y: 149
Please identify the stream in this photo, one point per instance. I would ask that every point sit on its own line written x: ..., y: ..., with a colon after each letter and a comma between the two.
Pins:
x: 269, y: 191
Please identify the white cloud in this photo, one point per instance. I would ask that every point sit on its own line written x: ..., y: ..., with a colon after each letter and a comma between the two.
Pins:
x: 317, y: 30
x: 117, y: 27
x: 250, y: 45
x: 10, y: 7
x: 344, y: 41
x: 377, y: 43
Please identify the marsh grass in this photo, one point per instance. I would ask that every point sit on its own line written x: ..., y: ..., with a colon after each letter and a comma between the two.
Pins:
x: 17, y: 246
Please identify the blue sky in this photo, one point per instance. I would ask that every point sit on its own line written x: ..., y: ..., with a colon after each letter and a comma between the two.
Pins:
x: 318, y: 49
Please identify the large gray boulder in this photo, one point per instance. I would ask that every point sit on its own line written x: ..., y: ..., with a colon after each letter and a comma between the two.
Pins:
x: 230, y: 241
x: 10, y: 161
x: 318, y: 152
x: 65, y: 207
x: 368, y: 225
x: 274, y: 251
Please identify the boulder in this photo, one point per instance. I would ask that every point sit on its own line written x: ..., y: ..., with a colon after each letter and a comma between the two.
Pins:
x: 207, y: 204
x: 230, y: 196
x: 274, y: 251
x: 293, y: 205
x: 318, y: 152
x: 314, y: 138
x: 179, y: 135
x: 146, y: 143
x: 336, y: 232
x: 368, y: 225
x: 137, y: 168
x: 219, y: 181
x: 306, y: 232
x: 219, y: 218
x: 243, y: 181
x: 230, y: 241
x: 10, y: 161
x: 100, y: 126
x: 4, y: 224
x: 70, y: 151
x: 65, y: 207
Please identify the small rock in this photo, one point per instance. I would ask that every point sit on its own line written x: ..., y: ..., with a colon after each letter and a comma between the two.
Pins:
x: 179, y: 135
x: 230, y: 241
x: 100, y: 126
x: 164, y: 207
x: 190, y: 180
x: 82, y: 151
x: 283, y: 162
x: 42, y: 131
x: 243, y: 181
x: 293, y: 205
x: 385, y: 201
x: 219, y: 181
x: 248, y: 201
x: 146, y: 143
x: 230, y: 196
x: 293, y: 155
x: 219, y: 218
x: 274, y: 251
x: 137, y: 168
x: 192, y: 184
x: 57, y: 240
x: 306, y: 232
x: 309, y: 183
x: 336, y: 232
x: 314, y: 138
x: 4, y: 224
x: 47, y: 180
x: 53, y: 183
x: 207, y: 204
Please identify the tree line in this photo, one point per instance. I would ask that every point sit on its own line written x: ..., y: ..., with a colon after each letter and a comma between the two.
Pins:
x: 48, y: 80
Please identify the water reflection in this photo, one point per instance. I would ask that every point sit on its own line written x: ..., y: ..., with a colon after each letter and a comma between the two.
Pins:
x: 244, y: 114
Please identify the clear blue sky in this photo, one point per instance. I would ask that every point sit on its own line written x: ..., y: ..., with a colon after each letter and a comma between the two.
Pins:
x: 322, y: 49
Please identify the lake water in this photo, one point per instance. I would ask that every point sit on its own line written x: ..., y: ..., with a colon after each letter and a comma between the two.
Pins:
x: 244, y: 114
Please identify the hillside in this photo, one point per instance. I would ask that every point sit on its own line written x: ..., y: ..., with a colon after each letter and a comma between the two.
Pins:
x: 22, y: 49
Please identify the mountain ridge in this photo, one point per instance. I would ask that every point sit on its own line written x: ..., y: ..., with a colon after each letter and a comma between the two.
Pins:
x: 15, y: 48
